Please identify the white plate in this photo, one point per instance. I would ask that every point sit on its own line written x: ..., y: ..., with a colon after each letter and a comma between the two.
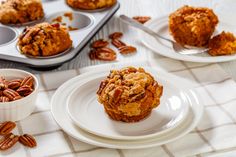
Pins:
x: 58, y: 109
x: 160, y: 25
x: 89, y: 114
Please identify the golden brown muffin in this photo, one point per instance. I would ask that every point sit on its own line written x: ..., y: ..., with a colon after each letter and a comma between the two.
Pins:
x: 129, y: 94
x: 20, y: 11
x: 192, y: 26
x: 222, y: 44
x: 90, y: 4
x: 44, y: 39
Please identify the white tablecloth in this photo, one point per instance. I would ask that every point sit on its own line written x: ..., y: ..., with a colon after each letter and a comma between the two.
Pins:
x: 214, y: 134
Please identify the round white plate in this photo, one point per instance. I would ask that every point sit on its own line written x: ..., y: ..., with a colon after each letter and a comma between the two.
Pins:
x: 160, y: 25
x: 85, y: 110
x: 58, y: 109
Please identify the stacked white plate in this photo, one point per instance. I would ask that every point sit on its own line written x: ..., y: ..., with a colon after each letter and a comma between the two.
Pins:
x: 76, y: 109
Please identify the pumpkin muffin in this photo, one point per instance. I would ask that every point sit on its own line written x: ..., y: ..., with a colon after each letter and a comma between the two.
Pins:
x: 129, y: 94
x: 44, y: 39
x: 20, y: 11
x: 222, y: 44
x: 192, y: 26
x: 90, y: 4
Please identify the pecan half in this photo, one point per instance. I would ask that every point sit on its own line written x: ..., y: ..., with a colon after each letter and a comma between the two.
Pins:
x: 56, y: 25
x: 29, y: 81
x: 127, y: 49
x: 28, y: 140
x: 92, y: 54
x: 11, y: 94
x: 13, y: 84
x: 117, y: 43
x: 24, y: 90
x: 117, y: 93
x: 105, y: 54
x: 116, y: 35
x: 7, y: 127
x: 8, y: 141
x: 102, y: 86
x: 138, y: 97
x: 142, y: 19
x: 3, y: 83
x: 1, y: 93
x: 4, y: 99
x: 99, y: 43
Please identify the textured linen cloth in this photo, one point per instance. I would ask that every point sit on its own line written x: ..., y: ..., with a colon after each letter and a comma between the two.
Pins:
x: 214, y: 135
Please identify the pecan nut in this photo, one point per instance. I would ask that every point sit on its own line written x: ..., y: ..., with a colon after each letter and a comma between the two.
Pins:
x: 127, y: 49
x: 4, y: 99
x: 92, y: 54
x: 105, y: 54
x: 29, y: 81
x: 99, y: 43
x: 118, y: 43
x: 14, y: 84
x: 7, y: 127
x: 116, y: 35
x: 102, y: 86
x: 8, y: 141
x: 1, y: 93
x: 11, y: 94
x: 56, y: 25
x: 142, y: 19
x: 28, y: 140
x: 24, y: 90
x: 3, y: 83
x: 117, y: 94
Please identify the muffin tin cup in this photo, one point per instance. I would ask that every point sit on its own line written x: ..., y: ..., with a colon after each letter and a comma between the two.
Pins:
x: 79, y: 20
x: 30, y: 23
x: 9, y: 33
x: 45, y: 57
x: 88, y: 23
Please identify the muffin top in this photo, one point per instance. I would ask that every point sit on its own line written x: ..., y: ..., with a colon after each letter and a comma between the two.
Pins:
x: 127, y: 89
x: 44, y: 39
x: 20, y: 11
x: 196, y: 24
x: 222, y: 44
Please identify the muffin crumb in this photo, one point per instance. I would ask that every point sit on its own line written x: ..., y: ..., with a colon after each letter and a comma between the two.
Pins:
x: 222, y: 44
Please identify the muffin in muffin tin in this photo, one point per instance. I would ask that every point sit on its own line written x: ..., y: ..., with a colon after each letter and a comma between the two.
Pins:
x: 44, y: 39
x: 90, y: 4
x: 129, y: 94
x: 20, y: 11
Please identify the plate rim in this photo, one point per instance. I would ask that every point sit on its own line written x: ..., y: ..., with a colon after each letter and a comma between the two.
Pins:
x: 102, y: 142
x: 191, y: 58
x: 103, y: 74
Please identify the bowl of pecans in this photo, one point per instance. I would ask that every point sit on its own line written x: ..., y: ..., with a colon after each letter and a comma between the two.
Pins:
x: 18, y: 92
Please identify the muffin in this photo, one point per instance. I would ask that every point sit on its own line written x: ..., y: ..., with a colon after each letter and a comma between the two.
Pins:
x: 192, y: 26
x: 129, y: 94
x: 222, y: 44
x: 90, y: 4
x: 44, y: 39
x: 20, y: 11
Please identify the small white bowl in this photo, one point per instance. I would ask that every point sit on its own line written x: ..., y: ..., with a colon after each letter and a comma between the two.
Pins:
x: 18, y: 109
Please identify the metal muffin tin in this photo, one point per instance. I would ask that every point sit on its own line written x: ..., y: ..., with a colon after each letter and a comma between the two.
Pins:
x: 88, y: 22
